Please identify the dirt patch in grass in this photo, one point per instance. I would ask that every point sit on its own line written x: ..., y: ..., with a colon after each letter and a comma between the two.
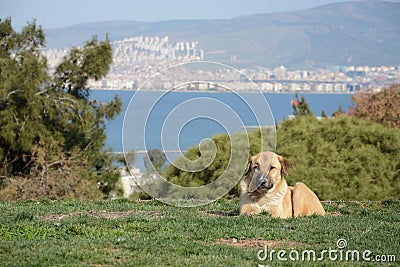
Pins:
x: 257, y: 243
x: 221, y: 213
x: 111, y: 215
x: 96, y: 214
x: 334, y: 213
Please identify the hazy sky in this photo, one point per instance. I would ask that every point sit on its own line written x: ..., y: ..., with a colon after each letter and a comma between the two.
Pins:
x: 56, y: 13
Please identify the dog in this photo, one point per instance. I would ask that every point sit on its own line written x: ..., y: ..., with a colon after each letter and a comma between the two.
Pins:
x: 264, y: 188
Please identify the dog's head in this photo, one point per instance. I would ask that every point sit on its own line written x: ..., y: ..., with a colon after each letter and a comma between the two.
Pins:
x: 265, y: 170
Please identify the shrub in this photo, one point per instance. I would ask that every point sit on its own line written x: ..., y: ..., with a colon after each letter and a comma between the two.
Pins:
x: 382, y: 107
x: 342, y: 158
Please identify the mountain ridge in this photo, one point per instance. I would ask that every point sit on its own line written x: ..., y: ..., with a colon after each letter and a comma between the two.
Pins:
x: 348, y: 33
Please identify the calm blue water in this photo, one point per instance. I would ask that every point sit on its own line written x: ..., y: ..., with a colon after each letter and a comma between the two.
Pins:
x: 198, y: 129
x: 198, y: 115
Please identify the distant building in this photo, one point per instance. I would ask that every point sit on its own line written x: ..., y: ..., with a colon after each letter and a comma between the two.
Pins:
x: 104, y: 84
x: 201, y: 54
x: 128, y: 181
x: 356, y: 73
x: 135, y: 85
x: 353, y: 88
x: 280, y: 73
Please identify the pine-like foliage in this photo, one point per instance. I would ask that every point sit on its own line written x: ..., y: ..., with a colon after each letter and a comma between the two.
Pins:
x: 51, y: 133
x: 300, y: 107
x: 154, y: 160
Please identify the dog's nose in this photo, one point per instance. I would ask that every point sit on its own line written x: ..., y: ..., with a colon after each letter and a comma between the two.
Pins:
x: 251, y: 195
x: 266, y: 185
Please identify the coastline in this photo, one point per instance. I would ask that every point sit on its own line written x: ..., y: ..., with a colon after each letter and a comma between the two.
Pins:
x: 214, y: 91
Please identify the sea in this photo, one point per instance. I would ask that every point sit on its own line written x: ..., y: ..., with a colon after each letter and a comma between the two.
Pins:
x: 173, y: 121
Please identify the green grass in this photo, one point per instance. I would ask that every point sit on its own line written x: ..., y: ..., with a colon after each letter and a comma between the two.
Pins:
x: 125, y: 233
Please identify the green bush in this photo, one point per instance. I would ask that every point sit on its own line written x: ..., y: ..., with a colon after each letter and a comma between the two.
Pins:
x: 250, y: 144
x: 340, y: 158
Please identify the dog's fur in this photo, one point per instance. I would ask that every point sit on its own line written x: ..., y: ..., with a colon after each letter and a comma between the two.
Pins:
x: 263, y: 188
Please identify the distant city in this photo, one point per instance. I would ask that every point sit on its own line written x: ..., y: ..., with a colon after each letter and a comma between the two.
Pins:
x: 136, y: 59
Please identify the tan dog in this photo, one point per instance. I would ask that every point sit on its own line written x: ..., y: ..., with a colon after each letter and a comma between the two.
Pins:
x: 263, y: 188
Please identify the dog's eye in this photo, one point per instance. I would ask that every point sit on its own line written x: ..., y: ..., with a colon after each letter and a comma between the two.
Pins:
x: 256, y: 167
x: 272, y: 167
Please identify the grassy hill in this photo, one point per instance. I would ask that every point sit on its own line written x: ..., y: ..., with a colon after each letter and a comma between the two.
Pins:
x: 350, y: 33
x: 125, y: 233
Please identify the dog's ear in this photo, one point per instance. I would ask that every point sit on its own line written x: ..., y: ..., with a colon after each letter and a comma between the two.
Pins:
x: 285, y: 165
x: 248, y: 169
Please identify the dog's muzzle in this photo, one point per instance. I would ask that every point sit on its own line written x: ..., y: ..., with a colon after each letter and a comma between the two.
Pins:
x: 260, y: 182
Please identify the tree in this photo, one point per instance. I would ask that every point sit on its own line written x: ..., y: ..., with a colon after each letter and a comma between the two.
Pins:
x: 300, y: 107
x: 52, y: 134
x: 338, y: 112
x: 382, y: 107
x: 128, y: 160
x: 154, y: 159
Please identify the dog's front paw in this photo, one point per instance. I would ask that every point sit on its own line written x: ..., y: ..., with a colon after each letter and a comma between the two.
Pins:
x: 249, y: 209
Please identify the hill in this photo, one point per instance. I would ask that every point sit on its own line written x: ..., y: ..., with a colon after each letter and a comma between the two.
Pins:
x: 351, y: 33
